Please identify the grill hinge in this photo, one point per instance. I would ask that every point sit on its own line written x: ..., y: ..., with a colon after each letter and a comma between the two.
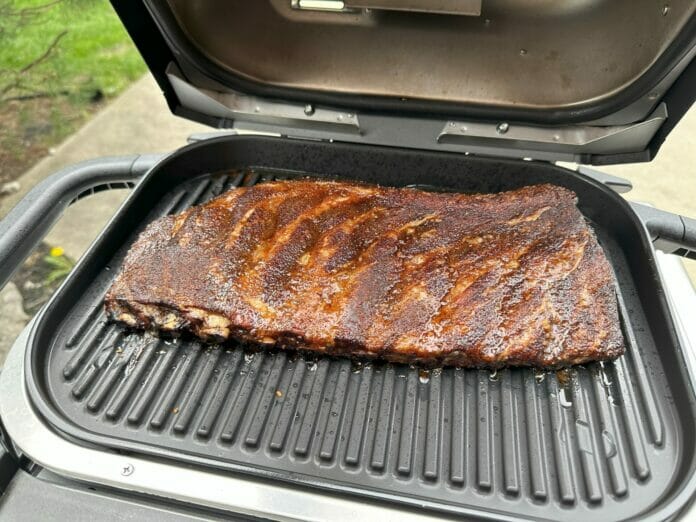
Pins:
x: 252, y: 113
x: 580, y: 139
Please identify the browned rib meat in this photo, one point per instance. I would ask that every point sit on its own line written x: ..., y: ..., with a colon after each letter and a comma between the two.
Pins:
x: 490, y: 280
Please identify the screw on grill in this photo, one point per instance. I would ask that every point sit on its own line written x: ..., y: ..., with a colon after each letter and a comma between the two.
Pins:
x: 502, y: 128
x: 127, y: 470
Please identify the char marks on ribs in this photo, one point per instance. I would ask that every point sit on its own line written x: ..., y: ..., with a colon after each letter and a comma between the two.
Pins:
x: 490, y: 280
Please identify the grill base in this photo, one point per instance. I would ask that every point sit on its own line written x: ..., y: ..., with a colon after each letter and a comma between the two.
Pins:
x: 603, y: 437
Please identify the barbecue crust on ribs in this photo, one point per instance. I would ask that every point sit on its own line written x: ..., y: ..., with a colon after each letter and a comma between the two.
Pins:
x: 490, y: 280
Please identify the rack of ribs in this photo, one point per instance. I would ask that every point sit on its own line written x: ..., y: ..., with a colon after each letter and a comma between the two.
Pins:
x: 488, y: 280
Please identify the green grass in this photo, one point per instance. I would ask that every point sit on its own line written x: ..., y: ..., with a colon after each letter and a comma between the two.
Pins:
x: 95, y: 54
x: 94, y: 60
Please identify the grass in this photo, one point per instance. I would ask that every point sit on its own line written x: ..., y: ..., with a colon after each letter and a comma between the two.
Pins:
x: 95, y: 53
x: 92, y: 59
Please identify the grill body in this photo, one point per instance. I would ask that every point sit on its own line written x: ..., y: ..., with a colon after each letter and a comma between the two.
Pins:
x: 615, y: 440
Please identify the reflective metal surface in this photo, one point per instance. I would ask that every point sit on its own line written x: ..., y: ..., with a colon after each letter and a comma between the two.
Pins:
x: 560, y: 143
x: 585, y: 139
x: 534, y: 54
x: 235, y: 106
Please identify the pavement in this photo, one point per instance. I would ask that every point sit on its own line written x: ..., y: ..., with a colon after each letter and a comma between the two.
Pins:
x: 12, y: 318
x: 139, y: 121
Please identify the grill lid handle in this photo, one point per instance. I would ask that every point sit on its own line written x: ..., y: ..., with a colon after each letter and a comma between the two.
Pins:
x: 29, y: 221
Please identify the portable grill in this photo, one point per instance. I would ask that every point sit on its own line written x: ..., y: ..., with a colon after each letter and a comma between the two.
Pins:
x: 124, y: 423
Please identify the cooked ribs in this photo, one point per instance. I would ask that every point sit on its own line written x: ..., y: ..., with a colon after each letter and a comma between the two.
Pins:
x: 490, y: 280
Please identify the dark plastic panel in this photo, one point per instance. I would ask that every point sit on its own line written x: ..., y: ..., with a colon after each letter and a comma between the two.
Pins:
x: 613, y: 441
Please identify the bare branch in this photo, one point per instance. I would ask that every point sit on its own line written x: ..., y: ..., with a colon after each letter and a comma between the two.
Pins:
x: 17, y: 83
x: 45, y: 54
x: 12, y: 19
x: 35, y: 95
x: 33, y: 9
x: 15, y: 18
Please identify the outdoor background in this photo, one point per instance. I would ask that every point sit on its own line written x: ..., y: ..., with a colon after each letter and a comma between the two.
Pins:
x: 73, y: 87
x: 60, y: 61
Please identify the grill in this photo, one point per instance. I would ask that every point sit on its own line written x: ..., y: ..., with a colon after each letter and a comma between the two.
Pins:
x: 615, y: 439
x: 384, y: 93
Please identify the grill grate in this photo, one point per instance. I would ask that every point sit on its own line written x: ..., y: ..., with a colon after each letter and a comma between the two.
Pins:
x: 587, y: 438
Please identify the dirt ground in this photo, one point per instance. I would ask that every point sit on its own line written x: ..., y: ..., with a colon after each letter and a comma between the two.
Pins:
x: 30, y: 128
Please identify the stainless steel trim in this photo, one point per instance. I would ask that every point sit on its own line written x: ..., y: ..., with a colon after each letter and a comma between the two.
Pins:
x: 223, y: 491
x: 681, y: 296
x: 581, y: 139
x: 234, y: 106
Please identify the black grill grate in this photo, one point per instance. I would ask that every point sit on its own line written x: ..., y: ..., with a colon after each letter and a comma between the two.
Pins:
x: 533, y: 443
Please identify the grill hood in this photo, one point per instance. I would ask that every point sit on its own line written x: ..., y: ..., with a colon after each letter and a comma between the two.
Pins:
x: 591, y: 81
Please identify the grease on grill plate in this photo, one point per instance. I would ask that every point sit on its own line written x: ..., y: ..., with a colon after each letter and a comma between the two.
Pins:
x: 297, y: 406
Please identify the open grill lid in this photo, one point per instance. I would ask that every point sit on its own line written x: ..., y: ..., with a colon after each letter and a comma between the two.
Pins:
x: 590, y: 81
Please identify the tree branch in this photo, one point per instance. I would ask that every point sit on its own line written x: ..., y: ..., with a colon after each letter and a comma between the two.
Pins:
x: 16, y: 18
x: 12, y: 19
x: 32, y: 9
x: 36, y: 95
x: 45, y: 54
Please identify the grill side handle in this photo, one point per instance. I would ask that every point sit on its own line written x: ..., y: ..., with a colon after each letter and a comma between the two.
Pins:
x: 671, y: 233
x: 31, y: 219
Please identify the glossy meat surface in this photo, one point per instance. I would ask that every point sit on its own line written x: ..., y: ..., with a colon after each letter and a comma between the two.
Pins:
x: 492, y: 280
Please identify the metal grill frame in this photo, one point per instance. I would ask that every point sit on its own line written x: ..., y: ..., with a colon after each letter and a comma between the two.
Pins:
x: 557, y: 490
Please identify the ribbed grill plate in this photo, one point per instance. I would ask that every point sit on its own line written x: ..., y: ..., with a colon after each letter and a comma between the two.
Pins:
x: 599, y: 439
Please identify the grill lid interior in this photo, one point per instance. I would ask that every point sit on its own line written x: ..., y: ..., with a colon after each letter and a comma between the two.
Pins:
x: 540, y: 56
